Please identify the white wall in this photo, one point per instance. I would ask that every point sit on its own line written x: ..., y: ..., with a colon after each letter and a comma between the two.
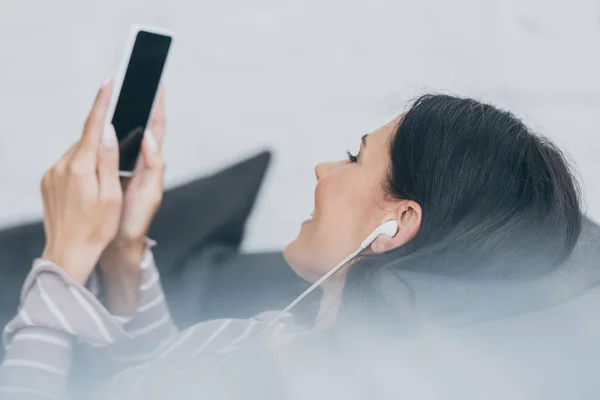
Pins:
x: 305, y: 78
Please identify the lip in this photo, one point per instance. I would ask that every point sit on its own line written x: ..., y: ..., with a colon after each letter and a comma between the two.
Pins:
x: 307, y: 221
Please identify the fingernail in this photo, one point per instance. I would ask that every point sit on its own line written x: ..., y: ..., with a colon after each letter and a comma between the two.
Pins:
x: 109, y: 136
x: 151, y: 140
x: 106, y: 79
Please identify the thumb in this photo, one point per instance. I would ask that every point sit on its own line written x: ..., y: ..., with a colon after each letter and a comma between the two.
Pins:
x: 151, y: 156
x: 108, y: 161
x: 153, y: 167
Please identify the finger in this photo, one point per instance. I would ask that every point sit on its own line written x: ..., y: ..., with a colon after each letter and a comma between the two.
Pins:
x: 52, y: 182
x: 63, y: 161
x: 152, y: 172
x: 152, y: 160
x: 139, y: 163
x: 97, y: 116
x: 125, y: 180
x: 45, y: 186
x: 108, y: 164
x: 158, y: 125
x: 94, y: 126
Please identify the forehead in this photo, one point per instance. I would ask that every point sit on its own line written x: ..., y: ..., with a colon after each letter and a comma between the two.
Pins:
x: 381, y: 137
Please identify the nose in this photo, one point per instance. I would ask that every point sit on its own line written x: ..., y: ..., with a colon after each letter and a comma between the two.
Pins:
x: 324, y: 168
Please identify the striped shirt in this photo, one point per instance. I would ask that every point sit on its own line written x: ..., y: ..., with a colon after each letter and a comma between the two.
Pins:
x: 56, y: 314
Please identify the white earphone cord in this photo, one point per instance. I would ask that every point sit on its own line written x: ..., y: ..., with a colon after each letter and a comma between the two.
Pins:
x: 315, y: 285
x: 389, y: 228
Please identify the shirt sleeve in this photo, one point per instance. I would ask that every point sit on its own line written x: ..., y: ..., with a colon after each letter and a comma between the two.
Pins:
x: 55, y: 311
x: 36, y: 364
x: 146, y: 332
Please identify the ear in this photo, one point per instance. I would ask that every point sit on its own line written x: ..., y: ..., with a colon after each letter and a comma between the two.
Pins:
x: 408, y: 215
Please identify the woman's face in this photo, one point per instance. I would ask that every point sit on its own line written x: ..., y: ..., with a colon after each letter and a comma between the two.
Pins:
x: 350, y: 202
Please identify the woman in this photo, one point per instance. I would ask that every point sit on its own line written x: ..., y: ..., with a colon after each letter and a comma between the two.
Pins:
x: 472, y: 190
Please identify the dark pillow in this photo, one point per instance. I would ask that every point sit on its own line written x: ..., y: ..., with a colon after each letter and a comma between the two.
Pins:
x: 211, y: 209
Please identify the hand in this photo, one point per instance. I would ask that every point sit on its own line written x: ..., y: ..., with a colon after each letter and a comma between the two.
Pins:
x: 82, y: 196
x: 121, y: 260
x: 142, y: 197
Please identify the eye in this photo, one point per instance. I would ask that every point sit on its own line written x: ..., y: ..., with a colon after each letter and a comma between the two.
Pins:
x: 352, y: 157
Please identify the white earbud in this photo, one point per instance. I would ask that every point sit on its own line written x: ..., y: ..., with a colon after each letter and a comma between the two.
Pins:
x: 389, y: 228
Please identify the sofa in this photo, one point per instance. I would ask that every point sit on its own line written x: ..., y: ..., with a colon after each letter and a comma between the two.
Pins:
x: 544, y: 333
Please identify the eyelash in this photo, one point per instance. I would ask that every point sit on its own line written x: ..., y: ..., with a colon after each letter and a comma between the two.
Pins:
x: 351, y: 157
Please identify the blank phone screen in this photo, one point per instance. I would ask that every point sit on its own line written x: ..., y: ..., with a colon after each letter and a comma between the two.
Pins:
x: 138, y: 91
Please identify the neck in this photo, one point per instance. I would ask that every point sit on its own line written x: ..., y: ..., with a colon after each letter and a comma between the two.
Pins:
x: 330, y: 302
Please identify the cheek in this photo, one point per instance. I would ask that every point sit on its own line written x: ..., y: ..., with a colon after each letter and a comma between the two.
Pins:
x: 345, y: 209
x: 341, y: 209
x: 339, y: 201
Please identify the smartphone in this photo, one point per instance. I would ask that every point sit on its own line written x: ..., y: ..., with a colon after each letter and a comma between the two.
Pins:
x: 135, y: 87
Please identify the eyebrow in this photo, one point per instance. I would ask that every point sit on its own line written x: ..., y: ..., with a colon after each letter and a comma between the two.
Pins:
x: 364, y: 139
